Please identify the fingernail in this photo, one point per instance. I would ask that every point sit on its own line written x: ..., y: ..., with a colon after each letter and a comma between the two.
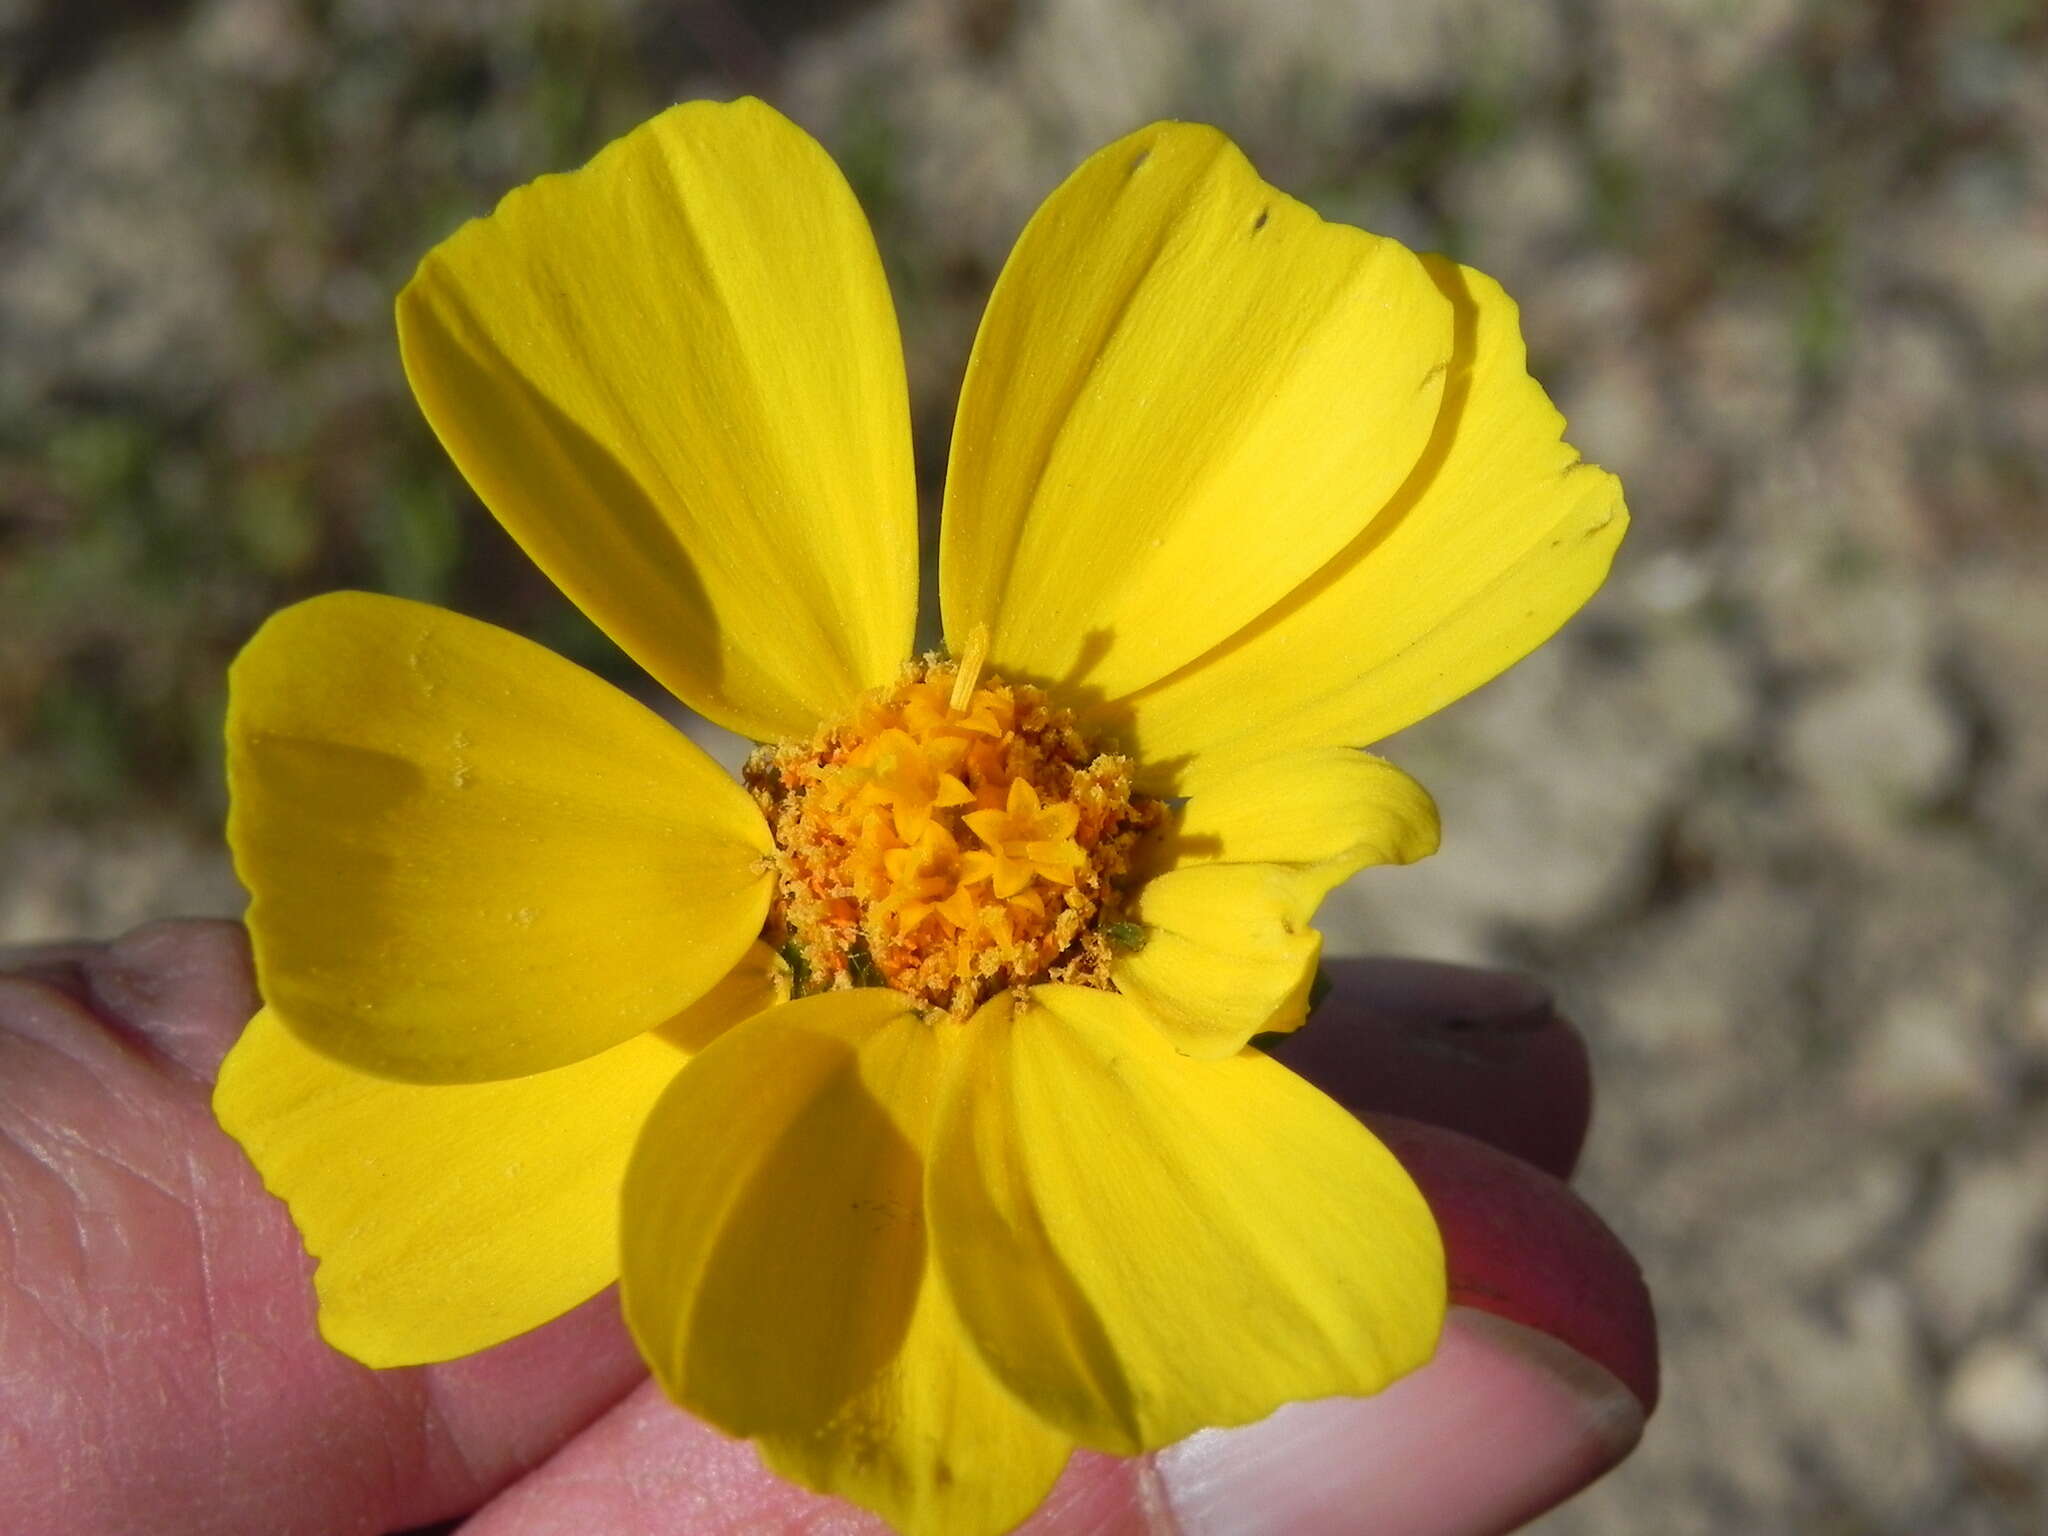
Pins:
x: 1503, y: 1424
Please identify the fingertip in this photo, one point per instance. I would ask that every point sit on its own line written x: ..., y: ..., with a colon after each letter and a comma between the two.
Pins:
x: 1521, y: 1246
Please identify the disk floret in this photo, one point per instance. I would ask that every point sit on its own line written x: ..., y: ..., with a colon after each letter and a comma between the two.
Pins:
x: 954, y: 836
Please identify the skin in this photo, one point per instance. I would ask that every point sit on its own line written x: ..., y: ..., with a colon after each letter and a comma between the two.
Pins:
x: 159, y: 1367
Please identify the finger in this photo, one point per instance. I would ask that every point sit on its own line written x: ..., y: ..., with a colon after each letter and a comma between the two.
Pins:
x: 163, y: 1367
x: 1546, y: 1373
x: 1483, y: 1052
x: 649, y: 1468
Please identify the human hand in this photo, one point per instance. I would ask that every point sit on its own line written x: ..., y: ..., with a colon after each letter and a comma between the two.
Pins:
x: 160, y: 1369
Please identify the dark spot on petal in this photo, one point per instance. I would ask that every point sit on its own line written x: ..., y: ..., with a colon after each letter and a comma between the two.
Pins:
x: 1260, y: 222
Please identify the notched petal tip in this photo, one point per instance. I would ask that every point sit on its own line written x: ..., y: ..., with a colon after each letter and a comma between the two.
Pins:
x: 1497, y: 535
x: 445, y: 1219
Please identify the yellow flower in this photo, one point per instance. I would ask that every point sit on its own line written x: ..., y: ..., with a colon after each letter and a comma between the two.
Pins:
x: 1233, y: 493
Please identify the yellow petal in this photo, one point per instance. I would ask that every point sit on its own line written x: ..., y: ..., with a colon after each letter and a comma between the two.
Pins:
x: 468, y: 859
x: 773, y: 1232
x: 448, y: 1218
x: 1143, y: 1244
x: 935, y: 1445
x: 1325, y: 813
x: 451, y: 1217
x: 1228, y: 954
x: 1188, y: 393
x: 756, y: 984
x: 775, y: 1243
x: 674, y: 376
x: 1495, y: 540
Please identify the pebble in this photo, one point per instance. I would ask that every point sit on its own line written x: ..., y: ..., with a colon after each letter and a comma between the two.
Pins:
x: 1975, y: 1258
x: 1919, y: 1059
x: 1997, y: 1400
x: 1876, y: 748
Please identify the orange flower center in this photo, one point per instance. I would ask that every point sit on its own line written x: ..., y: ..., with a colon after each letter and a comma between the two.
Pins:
x: 955, y: 836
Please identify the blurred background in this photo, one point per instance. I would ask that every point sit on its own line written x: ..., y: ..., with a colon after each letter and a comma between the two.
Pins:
x: 1772, y: 815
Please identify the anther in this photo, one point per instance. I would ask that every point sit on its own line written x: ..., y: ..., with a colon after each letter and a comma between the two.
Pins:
x: 972, y: 657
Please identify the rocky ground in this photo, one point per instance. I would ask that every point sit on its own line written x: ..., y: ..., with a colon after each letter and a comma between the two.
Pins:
x: 1773, y: 814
